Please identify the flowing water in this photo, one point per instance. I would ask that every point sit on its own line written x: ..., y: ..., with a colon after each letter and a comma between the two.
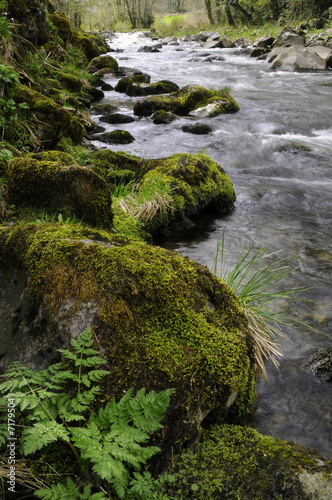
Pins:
x: 284, y: 199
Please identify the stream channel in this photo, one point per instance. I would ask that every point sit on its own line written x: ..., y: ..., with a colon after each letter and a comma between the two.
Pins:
x: 284, y: 200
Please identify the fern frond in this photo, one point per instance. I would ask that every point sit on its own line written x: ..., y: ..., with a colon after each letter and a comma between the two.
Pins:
x: 41, y: 434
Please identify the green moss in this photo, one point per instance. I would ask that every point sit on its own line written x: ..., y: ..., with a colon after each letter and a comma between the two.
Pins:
x: 103, y: 62
x: 234, y: 463
x: 125, y: 84
x: 119, y: 137
x: 91, y: 46
x: 185, y: 100
x: 53, y: 180
x: 61, y: 22
x: 163, y: 321
x: 125, y: 225
x: 196, y: 182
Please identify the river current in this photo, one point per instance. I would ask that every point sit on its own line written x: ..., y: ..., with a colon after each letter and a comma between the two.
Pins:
x: 284, y: 200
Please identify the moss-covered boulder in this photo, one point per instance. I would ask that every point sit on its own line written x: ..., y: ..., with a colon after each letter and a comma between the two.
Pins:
x: 90, y: 45
x: 113, y: 118
x: 102, y: 62
x: 163, y: 117
x: 54, y: 181
x: 162, y: 320
x: 162, y: 87
x: 186, y: 100
x: 117, y: 137
x: 124, y: 84
x: 194, y: 183
x: 62, y: 23
x: 105, y: 161
x: 235, y: 462
x: 50, y: 121
x: 197, y: 128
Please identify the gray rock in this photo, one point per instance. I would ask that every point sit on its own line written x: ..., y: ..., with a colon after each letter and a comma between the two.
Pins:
x: 295, y: 58
x: 197, y: 128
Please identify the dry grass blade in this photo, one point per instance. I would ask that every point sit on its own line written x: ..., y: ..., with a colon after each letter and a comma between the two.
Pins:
x: 23, y: 476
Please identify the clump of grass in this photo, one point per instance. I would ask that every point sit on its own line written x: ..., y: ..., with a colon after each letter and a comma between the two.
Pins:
x: 222, y: 91
x: 145, y: 200
x: 254, y: 278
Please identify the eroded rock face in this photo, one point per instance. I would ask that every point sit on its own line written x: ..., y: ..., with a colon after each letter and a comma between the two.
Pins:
x: 161, y: 320
x: 54, y: 181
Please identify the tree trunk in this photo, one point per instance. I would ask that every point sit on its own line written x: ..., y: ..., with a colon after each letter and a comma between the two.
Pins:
x: 274, y: 9
x: 209, y: 10
x: 229, y: 16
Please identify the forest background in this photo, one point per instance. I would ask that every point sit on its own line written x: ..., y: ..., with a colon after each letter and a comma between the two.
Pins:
x: 190, y: 15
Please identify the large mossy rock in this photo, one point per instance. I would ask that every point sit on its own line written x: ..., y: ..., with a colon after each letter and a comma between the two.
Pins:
x: 54, y: 181
x: 62, y: 23
x: 92, y: 46
x: 195, y: 182
x: 236, y: 462
x: 161, y: 320
x: 50, y: 120
x: 103, y: 62
x: 186, y: 100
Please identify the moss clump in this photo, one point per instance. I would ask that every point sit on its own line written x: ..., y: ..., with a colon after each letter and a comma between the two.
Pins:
x: 102, y: 62
x: 162, y: 320
x: 62, y: 23
x: 196, y: 182
x: 91, y: 46
x: 234, y: 462
x: 124, y: 84
x: 118, y: 137
x: 127, y: 226
x: 51, y: 121
x: 185, y: 100
x: 53, y: 180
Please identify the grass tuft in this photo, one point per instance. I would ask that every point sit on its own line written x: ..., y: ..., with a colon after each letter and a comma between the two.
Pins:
x: 254, y: 278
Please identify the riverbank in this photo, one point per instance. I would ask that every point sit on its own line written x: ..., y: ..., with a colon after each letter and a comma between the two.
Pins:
x: 160, y: 319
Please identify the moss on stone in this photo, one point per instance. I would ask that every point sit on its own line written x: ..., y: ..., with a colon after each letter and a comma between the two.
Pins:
x: 53, y: 120
x: 91, y: 46
x: 161, y: 319
x: 185, y: 100
x: 234, y: 462
x: 196, y: 182
x: 104, y: 61
x: 124, y: 84
x: 118, y: 137
x: 62, y: 23
x: 55, y: 181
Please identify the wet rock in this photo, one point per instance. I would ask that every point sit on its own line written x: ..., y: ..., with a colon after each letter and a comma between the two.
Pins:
x: 117, y: 137
x: 163, y: 117
x: 187, y: 99
x: 117, y: 118
x: 203, y: 36
x: 54, y: 181
x: 321, y: 364
x: 104, y: 107
x: 296, y: 58
x: 265, y: 41
x: 124, y: 84
x: 150, y: 48
x: 259, y: 51
x: 162, y: 87
x: 197, y: 128
x: 103, y: 62
x: 106, y: 87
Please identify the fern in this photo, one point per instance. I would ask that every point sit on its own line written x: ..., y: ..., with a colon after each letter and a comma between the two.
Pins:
x: 113, y: 443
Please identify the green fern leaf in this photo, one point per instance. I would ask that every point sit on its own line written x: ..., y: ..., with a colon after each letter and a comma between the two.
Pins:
x: 59, y: 491
x: 41, y: 434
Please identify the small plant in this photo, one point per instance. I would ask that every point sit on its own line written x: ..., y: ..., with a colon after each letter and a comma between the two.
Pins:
x: 4, y: 22
x: 145, y: 200
x: 111, y: 446
x: 253, y: 277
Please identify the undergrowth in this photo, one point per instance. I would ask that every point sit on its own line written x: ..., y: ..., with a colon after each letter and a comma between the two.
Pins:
x: 111, y: 444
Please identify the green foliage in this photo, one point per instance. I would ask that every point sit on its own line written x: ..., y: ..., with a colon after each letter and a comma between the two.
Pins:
x: 4, y: 22
x: 9, y: 109
x: 58, y: 405
x: 255, y: 278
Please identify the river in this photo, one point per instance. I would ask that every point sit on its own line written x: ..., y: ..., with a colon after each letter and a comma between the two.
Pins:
x: 284, y: 200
